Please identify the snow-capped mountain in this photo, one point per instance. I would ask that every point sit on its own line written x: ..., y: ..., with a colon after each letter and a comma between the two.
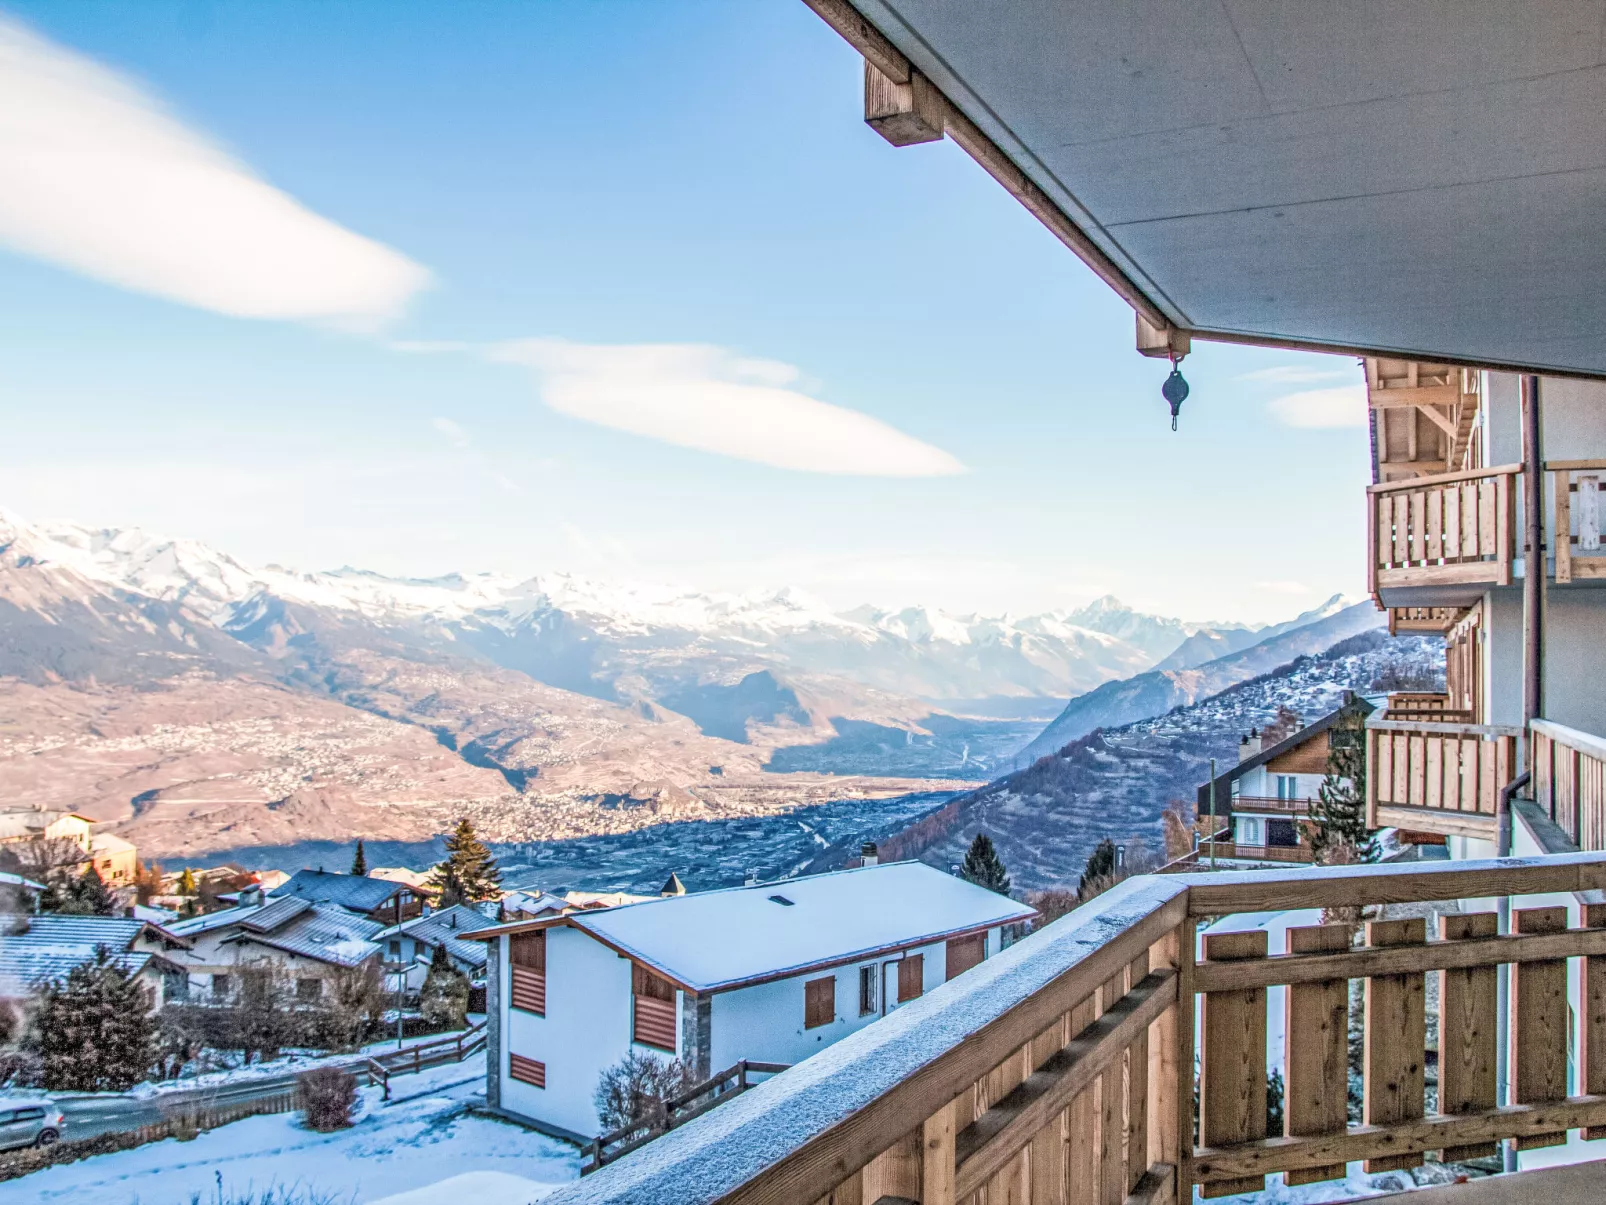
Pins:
x: 632, y: 640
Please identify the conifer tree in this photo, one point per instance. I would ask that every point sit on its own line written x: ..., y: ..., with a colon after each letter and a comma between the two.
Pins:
x: 443, y: 1000
x: 468, y: 875
x: 1338, y: 820
x: 76, y: 895
x: 359, y: 862
x: 1099, y: 873
x: 984, y: 867
x: 95, y: 1032
x: 186, y: 882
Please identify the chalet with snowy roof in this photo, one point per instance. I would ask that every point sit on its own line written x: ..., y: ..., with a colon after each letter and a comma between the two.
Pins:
x: 769, y: 973
x: 311, y: 942
x: 1262, y: 802
x: 413, y: 943
x: 46, y: 946
x: 383, y: 901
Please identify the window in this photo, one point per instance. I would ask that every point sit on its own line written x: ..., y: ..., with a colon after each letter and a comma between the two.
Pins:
x: 653, y: 1015
x: 222, y: 985
x: 308, y: 990
x: 395, y: 949
x: 819, y: 1002
x: 911, y: 977
x: 966, y: 952
x: 869, y: 980
x: 527, y: 1071
x: 526, y: 955
x: 1287, y: 786
x: 33, y: 1113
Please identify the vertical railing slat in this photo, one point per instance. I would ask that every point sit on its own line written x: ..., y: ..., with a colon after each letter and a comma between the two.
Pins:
x: 1592, y: 1024
x: 1082, y: 1153
x: 1396, y: 1039
x: 1112, y: 1110
x: 1468, y: 1002
x: 1316, y: 1050
x: 1232, y: 1090
x: 1539, y: 1023
x: 937, y: 1157
x: 1135, y: 1148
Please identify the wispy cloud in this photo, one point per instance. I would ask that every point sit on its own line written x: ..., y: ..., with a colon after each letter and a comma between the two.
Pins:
x: 709, y: 398
x: 1340, y: 406
x: 1283, y: 587
x: 428, y: 347
x: 1298, y: 374
x: 451, y: 431
x: 96, y: 176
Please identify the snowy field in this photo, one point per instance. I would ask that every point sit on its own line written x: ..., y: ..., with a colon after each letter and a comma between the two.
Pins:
x: 423, y: 1136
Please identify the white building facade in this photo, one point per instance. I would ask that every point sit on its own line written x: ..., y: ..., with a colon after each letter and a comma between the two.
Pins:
x: 770, y: 973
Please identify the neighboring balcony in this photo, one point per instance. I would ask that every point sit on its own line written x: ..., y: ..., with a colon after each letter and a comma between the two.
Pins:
x: 1066, y: 1069
x: 1421, y: 705
x: 1441, y: 540
x: 1437, y: 777
x: 1569, y: 781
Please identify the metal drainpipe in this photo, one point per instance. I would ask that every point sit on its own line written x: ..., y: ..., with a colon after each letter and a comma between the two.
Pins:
x: 1502, y: 1056
x: 1534, y: 564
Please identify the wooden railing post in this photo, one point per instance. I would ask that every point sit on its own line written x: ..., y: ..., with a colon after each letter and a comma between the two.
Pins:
x: 1232, y: 1077
x: 1396, y: 1039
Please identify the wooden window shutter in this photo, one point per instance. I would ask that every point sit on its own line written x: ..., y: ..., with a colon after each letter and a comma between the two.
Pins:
x: 911, y: 977
x: 527, y: 964
x: 527, y: 1071
x: 966, y: 952
x: 819, y: 1002
x: 653, y: 1011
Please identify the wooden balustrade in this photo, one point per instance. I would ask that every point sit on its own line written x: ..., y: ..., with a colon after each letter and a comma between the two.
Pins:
x: 1576, y: 519
x: 1266, y: 803
x: 1255, y: 853
x: 1063, y: 1070
x: 1437, y: 777
x: 1569, y: 781
x: 1421, y: 705
x: 1448, y: 529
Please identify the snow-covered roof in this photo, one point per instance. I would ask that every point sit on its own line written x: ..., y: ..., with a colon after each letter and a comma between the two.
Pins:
x: 258, y: 918
x: 449, y: 927
x: 323, y: 932
x: 53, y: 944
x: 356, y: 892
x: 714, y: 940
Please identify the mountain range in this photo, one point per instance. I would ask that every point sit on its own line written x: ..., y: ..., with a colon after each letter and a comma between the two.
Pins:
x: 204, y: 704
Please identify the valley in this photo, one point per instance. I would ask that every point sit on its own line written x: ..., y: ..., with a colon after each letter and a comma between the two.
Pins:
x: 208, y: 709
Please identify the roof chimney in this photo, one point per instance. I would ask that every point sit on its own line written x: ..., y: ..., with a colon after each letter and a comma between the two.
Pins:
x: 1248, y: 746
x: 250, y: 897
x: 868, y: 854
x: 672, y: 886
x: 752, y: 879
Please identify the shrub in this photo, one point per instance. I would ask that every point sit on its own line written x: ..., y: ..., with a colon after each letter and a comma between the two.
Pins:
x: 1053, y: 903
x: 635, y: 1089
x: 443, y: 1000
x: 327, y: 1096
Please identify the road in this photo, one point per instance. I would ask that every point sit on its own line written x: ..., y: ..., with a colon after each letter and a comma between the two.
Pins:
x: 88, y: 1116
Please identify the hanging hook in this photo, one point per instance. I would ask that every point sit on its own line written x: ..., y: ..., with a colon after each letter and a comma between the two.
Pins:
x: 1175, y: 390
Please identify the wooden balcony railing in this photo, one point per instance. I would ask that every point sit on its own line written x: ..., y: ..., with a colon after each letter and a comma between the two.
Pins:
x: 1437, y: 777
x: 1569, y: 781
x: 1265, y: 803
x: 1576, y: 521
x: 1064, y: 1070
x: 1420, y: 705
x: 1256, y: 853
x: 1444, y: 530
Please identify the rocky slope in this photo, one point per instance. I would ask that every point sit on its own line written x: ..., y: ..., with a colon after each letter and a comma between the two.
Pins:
x: 1046, y: 818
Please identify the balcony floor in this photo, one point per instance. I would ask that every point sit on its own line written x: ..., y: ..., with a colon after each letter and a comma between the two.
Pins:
x: 1574, y: 1184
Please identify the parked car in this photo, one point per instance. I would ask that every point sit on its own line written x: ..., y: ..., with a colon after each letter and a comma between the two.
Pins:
x: 29, y: 1122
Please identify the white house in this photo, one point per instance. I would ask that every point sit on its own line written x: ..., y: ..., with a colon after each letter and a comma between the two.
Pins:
x: 771, y: 973
x: 311, y: 942
x: 412, y: 943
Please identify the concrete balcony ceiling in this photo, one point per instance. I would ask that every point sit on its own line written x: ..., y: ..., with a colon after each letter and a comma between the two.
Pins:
x: 1421, y: 177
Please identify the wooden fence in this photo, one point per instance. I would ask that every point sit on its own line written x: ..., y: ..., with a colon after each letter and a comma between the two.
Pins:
x: 1440, y: 777
x: 1062, y: 1072
x: 1569, y: 781
x: 1447, y: 529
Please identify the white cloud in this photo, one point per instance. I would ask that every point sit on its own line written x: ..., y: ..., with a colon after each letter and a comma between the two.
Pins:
x: 705, y: 397
x: 1340, y: 406
x: 428, y: 347
x: 452, y: 431
x: 97, y: 177
x: 1297, y: 374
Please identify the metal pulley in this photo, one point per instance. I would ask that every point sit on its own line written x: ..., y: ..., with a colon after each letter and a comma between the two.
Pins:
x: 1175, y: 391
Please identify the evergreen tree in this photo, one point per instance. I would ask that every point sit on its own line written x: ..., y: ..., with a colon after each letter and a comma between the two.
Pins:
x: 1099, y: 873
x: 469, y: 874
x: 359, y: 863
x: 443, y: 1000
x: 95, y: 1032
x: 72, y: 894
x: 983, y: 866
x: 1338, y: 820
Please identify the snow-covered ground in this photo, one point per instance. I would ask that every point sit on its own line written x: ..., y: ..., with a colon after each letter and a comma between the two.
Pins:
x: 423, y: 1136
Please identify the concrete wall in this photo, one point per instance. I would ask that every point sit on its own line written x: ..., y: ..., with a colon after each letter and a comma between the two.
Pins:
x: 1502, y: 656
x: 1575, y: 657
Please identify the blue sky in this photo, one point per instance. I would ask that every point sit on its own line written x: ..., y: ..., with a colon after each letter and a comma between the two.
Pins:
x: 455, y: 284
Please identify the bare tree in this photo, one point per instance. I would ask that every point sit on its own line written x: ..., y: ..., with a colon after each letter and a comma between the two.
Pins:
x: 635, y: 1088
